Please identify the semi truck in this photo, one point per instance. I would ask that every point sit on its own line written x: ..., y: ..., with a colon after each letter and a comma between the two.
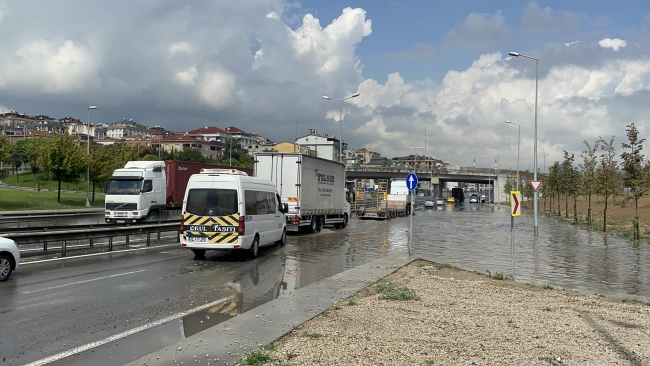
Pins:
x: 312, y: 187
x: 383, y: 205
x: 150, y: 190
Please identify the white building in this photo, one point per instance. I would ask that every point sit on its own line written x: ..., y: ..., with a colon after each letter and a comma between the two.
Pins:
x: 326, y: 147
x: 126, y: 128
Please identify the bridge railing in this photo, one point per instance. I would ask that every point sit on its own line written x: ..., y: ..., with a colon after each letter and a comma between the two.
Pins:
x: 434, y: 172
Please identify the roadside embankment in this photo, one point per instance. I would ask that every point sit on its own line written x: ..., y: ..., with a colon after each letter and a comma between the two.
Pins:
x: 456, y: 317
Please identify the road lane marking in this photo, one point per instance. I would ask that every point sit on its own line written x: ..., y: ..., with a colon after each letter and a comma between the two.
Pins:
x: 84, y: 281
x: 127, y: 333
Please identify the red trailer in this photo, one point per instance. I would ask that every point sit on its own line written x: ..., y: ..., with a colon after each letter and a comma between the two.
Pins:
x: 178, y: 174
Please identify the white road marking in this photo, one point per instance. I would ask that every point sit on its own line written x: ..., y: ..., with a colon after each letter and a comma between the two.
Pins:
x: 84, y: 281
x: 127, y: 333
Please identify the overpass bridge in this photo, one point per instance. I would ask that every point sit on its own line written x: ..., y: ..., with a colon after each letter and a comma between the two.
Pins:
x: 437, y: 177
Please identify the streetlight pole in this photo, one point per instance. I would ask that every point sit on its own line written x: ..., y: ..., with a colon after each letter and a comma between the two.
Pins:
x: 341, y: 119
x: 544, y: 152
x: 489, y: 176
x: 517, y: 54
x: 518, y: 144
x: 159, y: 138
x: 497, y: 175
x: 88, y: 155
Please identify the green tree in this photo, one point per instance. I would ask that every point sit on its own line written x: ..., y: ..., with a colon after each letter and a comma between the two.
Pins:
x: 102, y: 163
x: 62, y: 159
x: 553, y: 180
x: 570, y: 183
x: 189, y: 154
x: 636, y: 175
x: 607, y: 174
x: 526, y: 189
x: 5, y: 154
x: 151, y: 157
x: 588, y: 166
x: 575, y: 186
x: 509, y: 185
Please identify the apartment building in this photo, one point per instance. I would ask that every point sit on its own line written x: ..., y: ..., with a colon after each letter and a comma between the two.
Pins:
x: 325, y: 146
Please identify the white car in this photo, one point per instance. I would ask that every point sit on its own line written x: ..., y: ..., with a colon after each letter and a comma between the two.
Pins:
x: 9, y: 258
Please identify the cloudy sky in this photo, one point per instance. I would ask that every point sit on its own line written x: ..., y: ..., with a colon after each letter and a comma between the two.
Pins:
x: 263, y: 65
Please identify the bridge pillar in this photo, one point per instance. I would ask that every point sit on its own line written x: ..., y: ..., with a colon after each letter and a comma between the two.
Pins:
x: 437, y: 190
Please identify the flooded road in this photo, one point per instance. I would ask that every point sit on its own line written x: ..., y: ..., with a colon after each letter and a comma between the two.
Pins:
x: 149, y: 300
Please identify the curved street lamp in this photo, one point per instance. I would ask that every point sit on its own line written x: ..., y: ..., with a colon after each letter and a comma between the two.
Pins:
x: 341, y: 119
x: 517, y: 54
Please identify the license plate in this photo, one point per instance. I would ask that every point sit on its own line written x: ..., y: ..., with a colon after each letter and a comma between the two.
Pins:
x: 200, y: 239
x: 120, y: 221
x: 371, y: 215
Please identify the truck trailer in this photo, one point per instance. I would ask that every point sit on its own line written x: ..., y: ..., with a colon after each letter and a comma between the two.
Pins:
x: 150, y: 190
x: 312, y: 187
x: 383, y: 205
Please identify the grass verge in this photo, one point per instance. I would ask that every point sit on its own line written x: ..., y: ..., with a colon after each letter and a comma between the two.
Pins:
x: 11, y: 200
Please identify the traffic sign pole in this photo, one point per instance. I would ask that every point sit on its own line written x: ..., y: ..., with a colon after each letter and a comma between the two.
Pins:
x: 515, y: 210
x: 411, y: 184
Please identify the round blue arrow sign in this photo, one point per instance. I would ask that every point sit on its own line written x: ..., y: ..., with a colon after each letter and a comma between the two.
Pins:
x: 411, y: 181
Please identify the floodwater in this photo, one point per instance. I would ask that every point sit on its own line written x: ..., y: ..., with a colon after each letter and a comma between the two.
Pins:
x: 469, y: 235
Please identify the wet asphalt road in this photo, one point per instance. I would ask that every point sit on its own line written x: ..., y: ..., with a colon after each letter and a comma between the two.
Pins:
x: 55, y: 307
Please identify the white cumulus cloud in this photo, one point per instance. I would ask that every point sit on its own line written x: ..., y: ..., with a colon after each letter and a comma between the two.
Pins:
x: 614, y: 44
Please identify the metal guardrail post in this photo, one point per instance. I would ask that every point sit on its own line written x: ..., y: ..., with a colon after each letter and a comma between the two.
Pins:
x: 45, y: 246
x: 92, y: 242
x: 110, y: 243
x: 64, y: 247
x: 148, y: 239
x: 158, y: 235
x: 127, y: 238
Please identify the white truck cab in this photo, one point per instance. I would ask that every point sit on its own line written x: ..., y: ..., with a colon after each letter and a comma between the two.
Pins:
x: 135, y: 191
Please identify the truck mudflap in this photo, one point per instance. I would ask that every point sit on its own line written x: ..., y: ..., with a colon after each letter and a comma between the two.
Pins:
x: 211, y: 229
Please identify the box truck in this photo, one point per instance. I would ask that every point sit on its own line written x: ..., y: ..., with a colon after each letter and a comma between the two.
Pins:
x: 150, y: 190
x: 313, y: 188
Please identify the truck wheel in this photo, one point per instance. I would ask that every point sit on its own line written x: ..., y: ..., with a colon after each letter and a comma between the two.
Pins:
x: 255, y: 247
x: 154, y: 216
x: 199, y: 253
x: 345, y: 220
x: 313, y: 226
x: 321, y: 222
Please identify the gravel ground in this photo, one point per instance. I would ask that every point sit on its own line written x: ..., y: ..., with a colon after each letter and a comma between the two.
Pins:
x: 464, y: 318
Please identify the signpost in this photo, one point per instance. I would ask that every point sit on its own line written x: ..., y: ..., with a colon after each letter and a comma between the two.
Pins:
x: 535, y: 184
x: 411, y: 184
x: 515, y: 210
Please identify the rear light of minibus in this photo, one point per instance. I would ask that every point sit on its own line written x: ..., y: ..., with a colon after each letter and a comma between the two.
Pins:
x: 242, y: 225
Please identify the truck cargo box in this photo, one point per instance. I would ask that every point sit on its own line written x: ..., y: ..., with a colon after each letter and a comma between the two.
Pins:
x: 309, y: 185
x: 178, y: 174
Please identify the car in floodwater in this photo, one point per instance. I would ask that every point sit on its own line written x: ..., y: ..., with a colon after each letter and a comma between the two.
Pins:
x: 429, y: 203
x: 440, y: 201
x: 451, y: 199
x: 474, y: 198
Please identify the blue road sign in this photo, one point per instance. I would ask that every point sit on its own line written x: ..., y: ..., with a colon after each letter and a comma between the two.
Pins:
x: 411, y: 181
